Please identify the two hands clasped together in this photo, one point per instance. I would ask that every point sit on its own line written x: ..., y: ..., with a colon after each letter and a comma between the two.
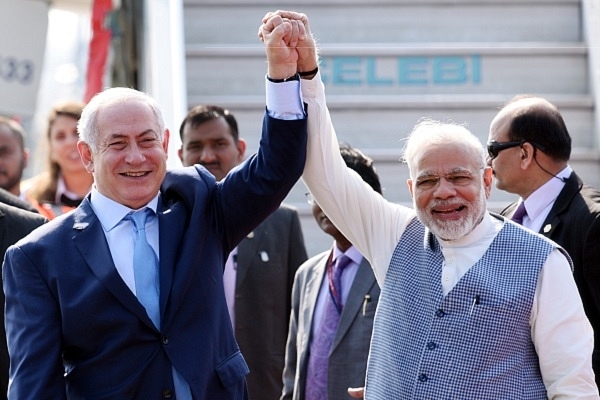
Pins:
x: 291, y: 49
x: 289, y: 44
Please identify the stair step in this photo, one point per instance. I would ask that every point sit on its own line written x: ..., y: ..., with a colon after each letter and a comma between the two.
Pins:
x: 392, y: 21
x: 505, y: 68
x: 358, y: 119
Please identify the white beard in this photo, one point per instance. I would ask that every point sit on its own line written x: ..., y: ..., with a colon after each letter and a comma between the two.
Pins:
x: 453, y: 230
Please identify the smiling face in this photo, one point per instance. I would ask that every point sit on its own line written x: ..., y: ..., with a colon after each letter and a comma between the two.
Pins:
x: 129, y: 164
x: 452, y: 207
x: 63, y: 139
x: 212, y: 145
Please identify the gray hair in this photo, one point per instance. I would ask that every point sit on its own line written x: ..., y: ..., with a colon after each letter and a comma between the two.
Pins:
x: 87, y: 127
x: 429, y: 132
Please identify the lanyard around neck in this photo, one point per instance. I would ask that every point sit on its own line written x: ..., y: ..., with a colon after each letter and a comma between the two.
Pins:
x: 333, y: 291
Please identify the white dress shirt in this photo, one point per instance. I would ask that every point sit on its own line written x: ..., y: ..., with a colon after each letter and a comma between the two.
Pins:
x: 540, y: 202
x: 560, y: 330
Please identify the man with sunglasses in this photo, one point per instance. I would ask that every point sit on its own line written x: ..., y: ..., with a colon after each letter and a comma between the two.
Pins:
x: 529, y: 151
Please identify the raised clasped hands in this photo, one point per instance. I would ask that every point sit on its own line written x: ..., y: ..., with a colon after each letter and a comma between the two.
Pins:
x: 289, y: 43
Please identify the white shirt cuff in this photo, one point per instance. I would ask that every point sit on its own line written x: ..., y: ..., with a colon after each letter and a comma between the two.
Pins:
x: 284, y: 100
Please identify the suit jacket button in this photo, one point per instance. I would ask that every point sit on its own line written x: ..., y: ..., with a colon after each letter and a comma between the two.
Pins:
x: 167, y: 394
x: 165, y: 340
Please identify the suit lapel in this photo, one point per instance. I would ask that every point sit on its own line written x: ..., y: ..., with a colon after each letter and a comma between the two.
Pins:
x: 3, y: 230
x: 311, y: 292
x: 313, y: 286
x: 91, y: 242
x: 509, y: 210
x: 572, y: 186
x: 247, y: 248
x: 363, y: 281
x: 172, y: 222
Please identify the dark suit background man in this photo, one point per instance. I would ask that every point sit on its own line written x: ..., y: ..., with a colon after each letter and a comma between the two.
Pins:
x: 13, y: 155
x: 15, y: 224
x: 77, y: 324
x: 347, y: 361
x: 7, y: 197
x: 259, y: 273
x: 529, y: 151
x: 13, y: 161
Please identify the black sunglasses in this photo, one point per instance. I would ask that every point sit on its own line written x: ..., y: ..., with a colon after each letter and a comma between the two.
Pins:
x: 494, y: 147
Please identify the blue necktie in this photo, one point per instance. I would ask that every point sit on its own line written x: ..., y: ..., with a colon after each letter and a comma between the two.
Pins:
x: 145, y: 270
x: 145, y: 267
x: 317, y: 369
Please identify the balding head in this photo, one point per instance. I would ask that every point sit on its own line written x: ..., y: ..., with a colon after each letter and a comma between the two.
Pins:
x: 537, y: 121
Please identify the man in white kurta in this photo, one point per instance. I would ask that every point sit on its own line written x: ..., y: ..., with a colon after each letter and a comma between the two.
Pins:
x: 457, y: 224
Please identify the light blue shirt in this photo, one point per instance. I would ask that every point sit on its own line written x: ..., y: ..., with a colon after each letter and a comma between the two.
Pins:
x: 284, y: 100
x: 119, y: 232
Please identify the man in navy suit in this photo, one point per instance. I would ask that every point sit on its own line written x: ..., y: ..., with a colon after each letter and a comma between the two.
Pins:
x: 15, y: 224
x: 259, y: 272
x: 77, y: 325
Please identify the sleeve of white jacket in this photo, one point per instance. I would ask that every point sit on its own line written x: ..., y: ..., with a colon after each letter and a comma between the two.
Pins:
x: 562, y: 334
x: 373, y: 224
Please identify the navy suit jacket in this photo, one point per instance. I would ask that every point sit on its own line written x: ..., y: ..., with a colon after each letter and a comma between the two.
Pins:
x: 267, y: 261
x: 7, y: 197
x: 76, y: 331
x: 15, y: 223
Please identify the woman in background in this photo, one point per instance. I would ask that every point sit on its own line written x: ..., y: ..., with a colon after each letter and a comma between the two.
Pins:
x: 66, y: 181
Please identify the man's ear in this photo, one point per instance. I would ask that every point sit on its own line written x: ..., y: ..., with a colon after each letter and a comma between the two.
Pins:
x: 527, y: 153
x: 25, y: 158
x: 409, y: 182
x: 241, y: 148
x: 488, y: 179
x: 165, y: 143
x: 85, y: 152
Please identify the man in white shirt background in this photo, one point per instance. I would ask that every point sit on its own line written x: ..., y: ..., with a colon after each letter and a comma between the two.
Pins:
x: 529, y: 149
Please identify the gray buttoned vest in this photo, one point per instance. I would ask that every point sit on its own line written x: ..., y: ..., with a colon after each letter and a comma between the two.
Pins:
x: 475, y: 342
